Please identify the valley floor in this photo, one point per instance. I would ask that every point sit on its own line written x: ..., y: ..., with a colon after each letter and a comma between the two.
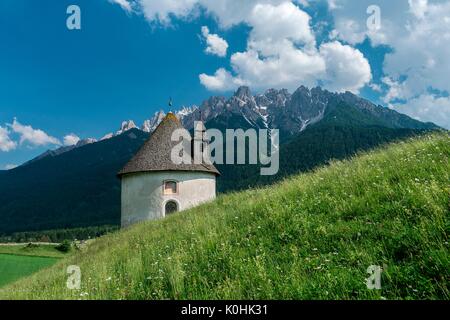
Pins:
x: 14, y: 267
x: 18, y: 260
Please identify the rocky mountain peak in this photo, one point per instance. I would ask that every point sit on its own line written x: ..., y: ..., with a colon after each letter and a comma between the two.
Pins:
x: 243, y: 92
x: 125, y: 126
x: 185, y: 111
x: 151, y: 124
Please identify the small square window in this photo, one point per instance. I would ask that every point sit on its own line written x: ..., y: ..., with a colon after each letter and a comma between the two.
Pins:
x: 170, y: 187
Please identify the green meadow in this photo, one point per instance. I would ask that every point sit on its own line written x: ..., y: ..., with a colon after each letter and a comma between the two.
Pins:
x: 14, y: 267
x: 18, y: 261
x: 312, y: 236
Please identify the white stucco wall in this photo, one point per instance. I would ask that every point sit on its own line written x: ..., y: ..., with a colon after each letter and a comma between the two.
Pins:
x: 143, y: 197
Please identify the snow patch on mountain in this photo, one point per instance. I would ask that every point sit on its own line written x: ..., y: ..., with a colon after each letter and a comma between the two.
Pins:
x: 151, y: 124
x: 126, y: 125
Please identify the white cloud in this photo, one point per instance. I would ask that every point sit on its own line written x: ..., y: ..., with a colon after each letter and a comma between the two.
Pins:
x: 397, y: 90
x: 351, y: 18
x: 288, y: 68
x: 222, y: 80
x: 418, y: 31
x: 282, y: 52
x: 347, y: 69
x: 215, y: 44
x: 161, y: 11
x: 227, y: 12
x: 71, y: 139
x: 10, y: 166
x: 421, y: 60
x: 376, y: 87
x: 418, y: 7
x: 34, y: 137
x: 281, y: 48
x: 421, y: 53
x: 332, y: 4
x: 284, y: 21
x: 6, y: 143
x: 125, y: 4
x: 427, y: 108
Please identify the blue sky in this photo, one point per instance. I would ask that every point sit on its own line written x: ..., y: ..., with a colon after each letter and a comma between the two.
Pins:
x: 130, y: 56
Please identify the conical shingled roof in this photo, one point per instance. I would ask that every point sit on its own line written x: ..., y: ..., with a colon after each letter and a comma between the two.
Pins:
x: 155, y: 153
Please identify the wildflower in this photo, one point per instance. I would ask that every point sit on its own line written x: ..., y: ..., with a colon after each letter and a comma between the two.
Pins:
x: 108, y: 279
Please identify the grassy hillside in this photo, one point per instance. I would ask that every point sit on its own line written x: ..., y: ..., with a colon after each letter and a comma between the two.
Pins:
x: 311, y: 237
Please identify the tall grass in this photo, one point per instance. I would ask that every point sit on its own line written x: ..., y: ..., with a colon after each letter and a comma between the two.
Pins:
x: 310, y: 237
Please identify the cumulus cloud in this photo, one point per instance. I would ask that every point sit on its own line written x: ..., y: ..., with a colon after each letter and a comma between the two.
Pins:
x: 227, y: 12
x: 71, y: 139
x: 222, y: 80
x: 10, y: 166
x: 34, y: 137
x: 271, y: 23
x: 281, y: 48
x: 351, y: 17
x: 215, y: 44
x: 282, y: 52
x: 420, y: 61
x: 418, y: 7
x: 421, y: 54
x: 162, y: 11
x: 418, y: 31
x: 428, y: 108
x: 347, y: 69
x: 396, y: 90
x: 288, y: 68
x: 125, y: 4
x: 6, y: 143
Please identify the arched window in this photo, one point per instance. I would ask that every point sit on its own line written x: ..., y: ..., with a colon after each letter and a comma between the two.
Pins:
x: 171, y: 207
x: 170, y: 187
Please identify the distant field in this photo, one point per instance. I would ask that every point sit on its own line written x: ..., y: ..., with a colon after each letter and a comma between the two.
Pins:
x: 39, y: 250
x: 21, y: 260
x: 14, y: 267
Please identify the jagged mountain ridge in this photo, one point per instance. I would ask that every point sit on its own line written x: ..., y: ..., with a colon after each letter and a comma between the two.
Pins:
x: 293, y: 113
